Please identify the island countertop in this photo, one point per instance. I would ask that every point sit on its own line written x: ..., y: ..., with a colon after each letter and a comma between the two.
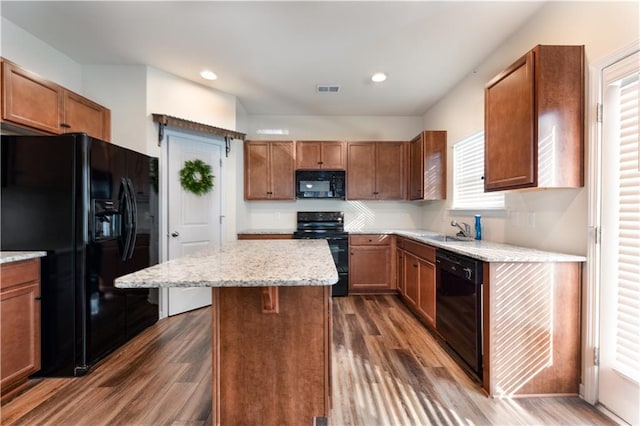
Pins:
x: 247, y: 263
x: 15, y: 256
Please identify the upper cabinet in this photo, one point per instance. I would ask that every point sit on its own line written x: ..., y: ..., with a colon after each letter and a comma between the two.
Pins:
x: 327, y: 155
x: 534, y: 121
x: 268, y: 170
x: 38, y: 104
x: 428, y: 166
x: 29, y: 100
x: 83, y: 115
x: 376, y: 170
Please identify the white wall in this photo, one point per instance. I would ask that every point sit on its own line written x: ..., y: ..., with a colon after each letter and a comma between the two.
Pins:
x: 330, y: 127
x: 123, y: 90
x: 281, y: 215
x: 550, y: 219
x: 35, y: 55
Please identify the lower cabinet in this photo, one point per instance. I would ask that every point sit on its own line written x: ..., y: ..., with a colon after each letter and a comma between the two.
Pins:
x: 427, y: 291
x: 418, y: 286
x: 371, y: 266
x: 20, y: 322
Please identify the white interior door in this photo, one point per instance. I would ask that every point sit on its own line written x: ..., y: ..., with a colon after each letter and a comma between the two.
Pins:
x: 619, y: 371
x: 194, y: 221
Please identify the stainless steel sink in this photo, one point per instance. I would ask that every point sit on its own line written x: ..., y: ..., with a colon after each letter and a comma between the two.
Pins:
x: 447, y: 238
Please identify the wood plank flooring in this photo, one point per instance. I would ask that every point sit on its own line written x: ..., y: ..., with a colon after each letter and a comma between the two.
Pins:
x: 387, y: 370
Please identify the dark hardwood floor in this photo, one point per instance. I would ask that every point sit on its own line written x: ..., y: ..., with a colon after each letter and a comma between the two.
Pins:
x: 387, y: 370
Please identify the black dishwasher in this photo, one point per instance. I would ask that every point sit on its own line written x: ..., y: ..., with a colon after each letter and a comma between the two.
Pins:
x: 459, y: 306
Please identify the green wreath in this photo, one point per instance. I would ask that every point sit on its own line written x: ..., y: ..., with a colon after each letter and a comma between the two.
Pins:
x: 196, y: 177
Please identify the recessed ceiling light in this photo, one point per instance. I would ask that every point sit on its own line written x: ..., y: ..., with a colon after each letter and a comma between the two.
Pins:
x: 378, y: 77
x: 208, y: 75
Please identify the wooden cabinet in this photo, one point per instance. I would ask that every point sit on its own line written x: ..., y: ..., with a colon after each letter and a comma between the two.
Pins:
x: 534, y: 331
x: 256, y: 354
x: 29, y: 100
x: 33, y: 102
x: 315, y: 155
x: 534, y: 121
x: 19, y: 322
x: 419, y: 279
x: 376, y: 170
x: 410, y: 265
x: 427, y: 290
x: 428, y: 166
x: 268, y: 170
x: 83, y: 115
x: 399, y: 266
x: 371, y: 266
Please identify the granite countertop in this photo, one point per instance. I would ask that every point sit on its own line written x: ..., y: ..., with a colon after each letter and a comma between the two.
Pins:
x: 482, y: 250
x: 15, y: 256
x: 267, y: 231
x: 489, y: 251
x: 245, y: 263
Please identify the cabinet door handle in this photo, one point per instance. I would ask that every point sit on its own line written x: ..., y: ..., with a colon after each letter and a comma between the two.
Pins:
x: 37, y: 298
x: 65, y: 125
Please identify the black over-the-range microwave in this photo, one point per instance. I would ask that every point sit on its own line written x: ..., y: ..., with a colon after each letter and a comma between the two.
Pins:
x: 320, y: 184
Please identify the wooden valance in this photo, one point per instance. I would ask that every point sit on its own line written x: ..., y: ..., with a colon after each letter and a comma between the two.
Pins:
x: 166, y: 120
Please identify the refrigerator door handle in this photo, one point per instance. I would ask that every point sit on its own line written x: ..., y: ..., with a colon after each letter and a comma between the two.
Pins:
x: 134, y: 217
x: 125, y: 202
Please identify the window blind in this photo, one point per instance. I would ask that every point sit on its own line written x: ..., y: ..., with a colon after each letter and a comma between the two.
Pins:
x: 468, y: 172
x: 628, y: 300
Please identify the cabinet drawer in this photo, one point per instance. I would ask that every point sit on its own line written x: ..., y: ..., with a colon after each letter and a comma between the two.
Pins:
x: 370, y: 239
x: 428, y: 253
x: 15, y: 273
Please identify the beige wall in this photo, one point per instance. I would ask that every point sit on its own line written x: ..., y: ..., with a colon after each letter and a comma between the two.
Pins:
x: 550, y: 219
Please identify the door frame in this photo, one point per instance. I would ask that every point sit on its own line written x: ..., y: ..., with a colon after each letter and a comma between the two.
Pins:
x: 163, y: 179
x: 592, y: 285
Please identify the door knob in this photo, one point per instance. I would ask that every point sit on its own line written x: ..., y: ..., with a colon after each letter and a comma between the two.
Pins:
x: 175, y: 234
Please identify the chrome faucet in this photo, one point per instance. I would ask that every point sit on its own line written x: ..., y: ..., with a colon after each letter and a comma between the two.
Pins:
x: 464, y: 232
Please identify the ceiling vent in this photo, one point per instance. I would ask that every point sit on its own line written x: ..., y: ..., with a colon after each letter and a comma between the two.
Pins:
x: 327, y: 88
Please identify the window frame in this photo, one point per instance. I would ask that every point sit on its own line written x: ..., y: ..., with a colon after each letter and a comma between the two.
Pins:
x: 465, y: 209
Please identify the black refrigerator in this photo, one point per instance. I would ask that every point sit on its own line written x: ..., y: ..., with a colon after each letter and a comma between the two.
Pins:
x: 93, y: 207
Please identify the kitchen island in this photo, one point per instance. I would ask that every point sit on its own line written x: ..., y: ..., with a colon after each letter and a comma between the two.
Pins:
x: 271, y: 337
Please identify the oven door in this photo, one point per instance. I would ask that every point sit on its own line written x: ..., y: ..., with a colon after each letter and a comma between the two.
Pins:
x: 339, y: 246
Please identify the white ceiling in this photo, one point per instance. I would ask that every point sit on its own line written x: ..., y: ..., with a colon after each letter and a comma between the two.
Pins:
x: 271, y: 55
